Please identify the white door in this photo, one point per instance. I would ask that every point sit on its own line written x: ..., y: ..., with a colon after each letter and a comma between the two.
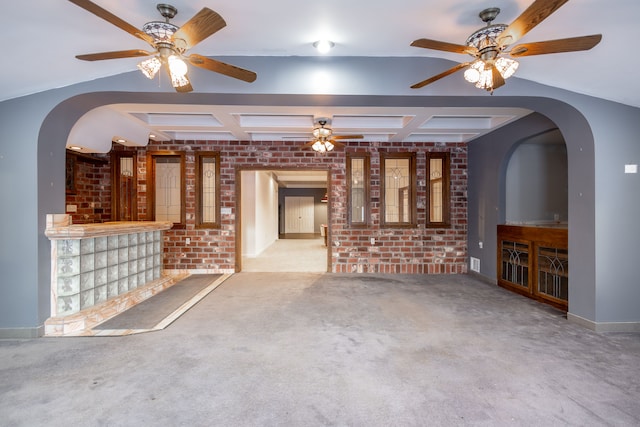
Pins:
x: 298, y: 215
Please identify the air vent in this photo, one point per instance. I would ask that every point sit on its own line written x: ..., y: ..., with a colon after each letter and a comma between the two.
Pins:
x: 474, y: 264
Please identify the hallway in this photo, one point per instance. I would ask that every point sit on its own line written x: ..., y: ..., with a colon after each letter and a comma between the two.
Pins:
x: 310, y: 349
x: 289, y: 256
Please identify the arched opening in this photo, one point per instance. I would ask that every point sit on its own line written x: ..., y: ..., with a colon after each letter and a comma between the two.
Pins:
x: 533, y: 241
x: 578, y: 137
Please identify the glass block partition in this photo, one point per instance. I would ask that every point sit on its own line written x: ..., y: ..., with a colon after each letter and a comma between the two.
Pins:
x: 90, y: 269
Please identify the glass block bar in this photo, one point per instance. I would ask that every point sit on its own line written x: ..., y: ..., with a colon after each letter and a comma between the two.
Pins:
x: 89, y: 271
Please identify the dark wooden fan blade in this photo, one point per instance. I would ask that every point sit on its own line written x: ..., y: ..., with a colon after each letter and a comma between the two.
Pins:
x: 114, y: 55
x: 202, y: 25
x: 113, y: 19
x: 556, y: 46
x: 346, y: 137
x: 222, y: 68
x: 497, y: 78
x: 444, y: 46
x: 439, y: 76
x: 336, y: 143
x: 537, y: 12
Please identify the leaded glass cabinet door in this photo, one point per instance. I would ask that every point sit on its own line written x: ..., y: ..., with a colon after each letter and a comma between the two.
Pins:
x: 515, y: 263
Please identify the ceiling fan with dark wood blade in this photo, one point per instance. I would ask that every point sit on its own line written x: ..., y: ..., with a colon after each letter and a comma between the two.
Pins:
x: 170, y: 44
x: 323, y: 138
x: 489, y: 46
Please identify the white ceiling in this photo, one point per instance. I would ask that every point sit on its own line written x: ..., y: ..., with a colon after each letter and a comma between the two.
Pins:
x: 46, y: 35
x: 255, y: 123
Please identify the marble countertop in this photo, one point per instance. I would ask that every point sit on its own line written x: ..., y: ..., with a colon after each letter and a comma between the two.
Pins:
x: 60, y: 227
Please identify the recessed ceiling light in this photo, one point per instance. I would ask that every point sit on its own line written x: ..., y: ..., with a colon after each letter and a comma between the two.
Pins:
x: 75, y: 147
x: 120, y: 141
x: 324, y: 46
x: 152, y: 135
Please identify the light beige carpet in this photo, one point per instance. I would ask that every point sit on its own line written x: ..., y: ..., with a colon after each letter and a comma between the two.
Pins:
x: 289, y: 256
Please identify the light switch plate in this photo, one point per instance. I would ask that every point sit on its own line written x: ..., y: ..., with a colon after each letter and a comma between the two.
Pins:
x: 630, y: 168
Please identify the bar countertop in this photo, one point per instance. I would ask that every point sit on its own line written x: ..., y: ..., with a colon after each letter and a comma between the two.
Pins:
x: 60, y: 227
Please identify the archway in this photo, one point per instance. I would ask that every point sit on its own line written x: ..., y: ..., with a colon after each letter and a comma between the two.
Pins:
x: 574, y: 127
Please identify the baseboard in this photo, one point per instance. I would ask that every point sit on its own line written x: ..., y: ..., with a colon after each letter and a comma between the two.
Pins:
x: 482, y: 278
x: 604, y: 326
x: 22, y: 333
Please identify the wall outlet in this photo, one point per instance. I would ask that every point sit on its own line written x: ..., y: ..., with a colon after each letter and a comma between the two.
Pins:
x: 373, y: 241
x: 72, y: 208
x: 188, y: 240
x: 480, y: 245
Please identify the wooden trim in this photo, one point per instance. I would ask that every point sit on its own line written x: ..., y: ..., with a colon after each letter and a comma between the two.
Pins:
x: 367, y: 189
x: 115, y: 184
x: 446, y: 189
x: 200, y: 155
x: 238, y: 200
x: 238, y: 225
x: 412, y: 223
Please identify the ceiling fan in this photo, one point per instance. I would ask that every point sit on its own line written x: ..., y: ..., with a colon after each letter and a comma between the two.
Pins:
x: 489, y: 46
x: 170, y: 43
x: 323, y: 138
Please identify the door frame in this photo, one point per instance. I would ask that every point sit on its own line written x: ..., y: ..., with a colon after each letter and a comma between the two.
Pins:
x: 238, y: 213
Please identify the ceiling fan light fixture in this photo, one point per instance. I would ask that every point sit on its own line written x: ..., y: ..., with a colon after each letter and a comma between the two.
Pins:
x: 480, y: 74
x: 506, y: 66
x: 150, y: 67
x: 319, y: 147
x: 486, y: 80
x: 321, y: 132
x: 322, y: 146
x: 472, y: 74
x: 178, y: 81
x: 177, y: 66
x: 162, y: 32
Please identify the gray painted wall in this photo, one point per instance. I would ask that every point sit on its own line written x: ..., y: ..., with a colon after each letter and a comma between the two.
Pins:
x: 601, y: 137
x: 536, y: 181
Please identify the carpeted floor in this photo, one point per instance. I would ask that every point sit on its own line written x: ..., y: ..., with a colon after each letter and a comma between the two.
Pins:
x: 151, y: 312
x: 310, y: 349
x: 289, y: 256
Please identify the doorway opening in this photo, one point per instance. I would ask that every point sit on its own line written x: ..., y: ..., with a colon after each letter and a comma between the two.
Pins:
x: 282, y: 221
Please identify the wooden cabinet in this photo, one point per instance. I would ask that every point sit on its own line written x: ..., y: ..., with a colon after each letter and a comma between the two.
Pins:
x: 534, y: 261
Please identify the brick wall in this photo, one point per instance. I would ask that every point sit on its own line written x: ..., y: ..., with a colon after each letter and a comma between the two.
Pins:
x: 413, y: 251
x: 92, y: 195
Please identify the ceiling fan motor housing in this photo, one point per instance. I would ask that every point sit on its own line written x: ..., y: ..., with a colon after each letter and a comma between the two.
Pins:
x: 167, y: 11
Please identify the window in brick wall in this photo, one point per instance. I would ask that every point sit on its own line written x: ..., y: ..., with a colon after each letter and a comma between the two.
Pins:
x: 398, y: 189
x: 165, y: 189
x: 438, y: 190
x: 124, y: 186
x: 207, y: 189
x: 358, y: 189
